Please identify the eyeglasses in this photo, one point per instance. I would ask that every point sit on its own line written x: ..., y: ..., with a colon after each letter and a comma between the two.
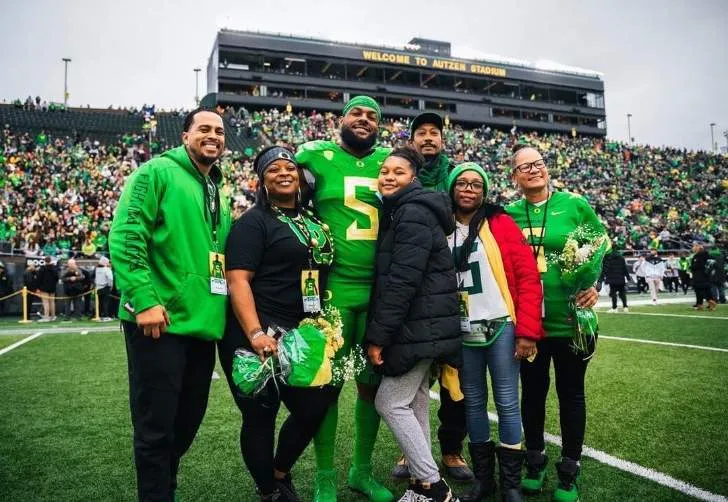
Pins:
x: 475, y: 186
x: 527, y: 166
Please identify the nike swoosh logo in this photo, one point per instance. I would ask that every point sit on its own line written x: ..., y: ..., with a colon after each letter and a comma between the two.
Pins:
x: 556, y: 213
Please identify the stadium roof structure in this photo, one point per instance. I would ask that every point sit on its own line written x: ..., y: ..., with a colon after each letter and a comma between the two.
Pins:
x: 464, y: 53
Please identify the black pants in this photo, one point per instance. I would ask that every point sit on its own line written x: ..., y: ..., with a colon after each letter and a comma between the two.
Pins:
x: 104, y: 298
x: 74, y: 304
x: 452, y: 430
x: 642, y: 285
x: 88, y: 307
x: 617, y: 289
x: 570, y: 370
x: 307, y: 406
x: 703, y: 293
x: 672, y: 284
x: 169, y: 382
x: 684, y: 281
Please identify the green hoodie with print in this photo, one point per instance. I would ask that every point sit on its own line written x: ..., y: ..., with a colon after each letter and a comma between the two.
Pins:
x: 161, y: 239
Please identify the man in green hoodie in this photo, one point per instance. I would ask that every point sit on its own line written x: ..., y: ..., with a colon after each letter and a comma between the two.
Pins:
x: 170, y: 227
x: 426, y: 137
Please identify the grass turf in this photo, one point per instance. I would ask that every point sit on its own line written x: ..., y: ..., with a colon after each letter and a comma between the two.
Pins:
x: 7, y: 340
x: 67, y: 435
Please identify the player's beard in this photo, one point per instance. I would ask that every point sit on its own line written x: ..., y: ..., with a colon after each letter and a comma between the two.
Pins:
x: 355, y: 143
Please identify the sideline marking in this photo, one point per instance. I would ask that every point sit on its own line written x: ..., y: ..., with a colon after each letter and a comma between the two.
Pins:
x: 664, y: 315
x: 630, y: 467
x: 20, y: 342
x: 669, y: 344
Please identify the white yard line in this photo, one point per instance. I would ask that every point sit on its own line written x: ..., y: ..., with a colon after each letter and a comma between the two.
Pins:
x: 689, y: 316
x: 630, y: 467
x: 669, y: 344
x: 20, y: 342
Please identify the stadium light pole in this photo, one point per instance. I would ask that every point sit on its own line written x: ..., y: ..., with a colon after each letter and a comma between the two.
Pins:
x: 65, y: 81
x: 629, y: 128
x: 197, y: 86
x: 712, y: 138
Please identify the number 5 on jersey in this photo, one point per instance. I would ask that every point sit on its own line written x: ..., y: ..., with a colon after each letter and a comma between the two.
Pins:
x: 354, y: 232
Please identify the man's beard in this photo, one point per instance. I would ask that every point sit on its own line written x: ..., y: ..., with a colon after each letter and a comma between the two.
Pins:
x: 430, y: 157
x: 356, y: 143
x: 205, y: 160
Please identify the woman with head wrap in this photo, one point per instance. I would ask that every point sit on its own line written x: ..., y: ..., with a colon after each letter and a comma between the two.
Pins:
x: 268, y: 252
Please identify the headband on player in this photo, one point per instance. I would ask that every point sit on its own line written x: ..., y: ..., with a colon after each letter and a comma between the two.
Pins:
x: 365, y: 101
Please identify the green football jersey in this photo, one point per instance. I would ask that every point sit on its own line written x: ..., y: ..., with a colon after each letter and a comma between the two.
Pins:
x: 565, y: 212
x: 345, y: 198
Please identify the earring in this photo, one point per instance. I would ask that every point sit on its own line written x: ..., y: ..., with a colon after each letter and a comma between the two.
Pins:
x: 265, y: 190
x: 300, y: 197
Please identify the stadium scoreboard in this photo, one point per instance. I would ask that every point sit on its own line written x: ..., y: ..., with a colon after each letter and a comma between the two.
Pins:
x: 262, y: 70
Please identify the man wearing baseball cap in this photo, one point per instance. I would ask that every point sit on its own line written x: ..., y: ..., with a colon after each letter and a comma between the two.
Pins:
x: 426, y: 137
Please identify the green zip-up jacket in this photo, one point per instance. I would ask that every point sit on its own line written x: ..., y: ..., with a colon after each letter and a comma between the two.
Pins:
x: 160, y: 244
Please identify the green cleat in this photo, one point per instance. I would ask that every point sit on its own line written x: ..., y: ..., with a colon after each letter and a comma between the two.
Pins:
x: 569, y: 473
x: 361, y: 480
x: 325, y: 488
x: 532, y: 483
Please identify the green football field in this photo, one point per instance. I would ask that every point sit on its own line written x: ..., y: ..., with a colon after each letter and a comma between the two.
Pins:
x: 654, y: 411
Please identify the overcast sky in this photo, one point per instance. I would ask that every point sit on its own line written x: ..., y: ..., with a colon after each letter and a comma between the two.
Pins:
x: 665, y: 62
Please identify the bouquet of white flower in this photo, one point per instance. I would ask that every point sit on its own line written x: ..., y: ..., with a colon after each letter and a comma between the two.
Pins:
x: 580, y: 264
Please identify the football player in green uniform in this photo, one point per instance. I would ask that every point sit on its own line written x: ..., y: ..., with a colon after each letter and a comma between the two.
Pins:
x: 343, y: 181
x: 546, y: 219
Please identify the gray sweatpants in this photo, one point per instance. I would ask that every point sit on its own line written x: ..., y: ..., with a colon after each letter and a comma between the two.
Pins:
x: 404, y: 404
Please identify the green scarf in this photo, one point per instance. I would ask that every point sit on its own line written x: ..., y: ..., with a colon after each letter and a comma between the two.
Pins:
x: 433, y: 174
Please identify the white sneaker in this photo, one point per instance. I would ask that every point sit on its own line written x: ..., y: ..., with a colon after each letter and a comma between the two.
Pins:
x: 44, y: 319
x: 612, y: 311
x: 625, y: 309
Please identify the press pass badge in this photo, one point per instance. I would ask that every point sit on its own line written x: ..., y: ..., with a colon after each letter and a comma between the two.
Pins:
x: 310, y: 291
x: 218, y: 285
x: 464, y: 308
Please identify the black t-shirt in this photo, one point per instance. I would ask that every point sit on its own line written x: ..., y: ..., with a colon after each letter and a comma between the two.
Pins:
x: 261, y: 243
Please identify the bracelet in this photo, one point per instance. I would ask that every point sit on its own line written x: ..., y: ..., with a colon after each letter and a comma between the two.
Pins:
x: 256, y: 333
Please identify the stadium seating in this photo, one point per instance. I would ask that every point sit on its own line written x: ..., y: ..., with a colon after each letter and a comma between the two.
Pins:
x: 659, y: 197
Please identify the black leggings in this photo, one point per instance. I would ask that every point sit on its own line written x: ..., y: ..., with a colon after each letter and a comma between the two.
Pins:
x: 307, y: 406
x: 570, y: 370
x: 615, y: 289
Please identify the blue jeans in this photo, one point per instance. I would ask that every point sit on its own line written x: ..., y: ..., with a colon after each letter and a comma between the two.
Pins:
x: 498, y: 358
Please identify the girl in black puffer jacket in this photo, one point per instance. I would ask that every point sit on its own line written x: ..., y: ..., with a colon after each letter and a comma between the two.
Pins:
x: 414, y: 319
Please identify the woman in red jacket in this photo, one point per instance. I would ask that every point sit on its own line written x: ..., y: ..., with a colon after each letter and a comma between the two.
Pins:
x: 500, y: 310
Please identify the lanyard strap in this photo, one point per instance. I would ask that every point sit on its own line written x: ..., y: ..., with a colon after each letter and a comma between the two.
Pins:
x: 212, y: 199
x: 539, y: 245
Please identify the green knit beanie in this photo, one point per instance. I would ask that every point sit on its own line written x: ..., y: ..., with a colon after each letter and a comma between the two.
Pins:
x: 467, y: 166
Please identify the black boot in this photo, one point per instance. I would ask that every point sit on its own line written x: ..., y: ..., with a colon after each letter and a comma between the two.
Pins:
x: 510, y: 465
x: 288, y: 491
x: 483, y: 457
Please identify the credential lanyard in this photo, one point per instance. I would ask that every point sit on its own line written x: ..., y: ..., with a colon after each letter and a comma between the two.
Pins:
x: 212, y: 199
x: 536, y: 249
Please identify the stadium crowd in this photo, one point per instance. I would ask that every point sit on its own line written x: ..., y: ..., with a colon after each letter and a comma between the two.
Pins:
x: 59, y: 194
